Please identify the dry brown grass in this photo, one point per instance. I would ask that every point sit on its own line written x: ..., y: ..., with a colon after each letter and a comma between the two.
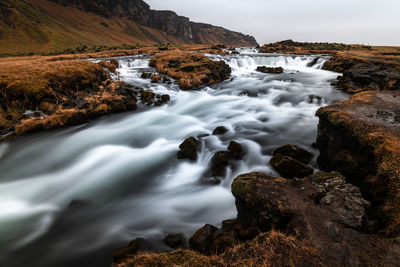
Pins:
x: 27, y: 83
x: 271, y: 249
x: 43, y: 26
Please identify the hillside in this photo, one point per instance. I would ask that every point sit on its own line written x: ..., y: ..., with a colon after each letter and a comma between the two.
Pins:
x: 42, y: 25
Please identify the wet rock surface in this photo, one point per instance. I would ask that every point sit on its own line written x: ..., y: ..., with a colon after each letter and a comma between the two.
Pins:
x: 219, y: 162
x: 188, y: 149
x: 220, y: 130
x: 236, y: 150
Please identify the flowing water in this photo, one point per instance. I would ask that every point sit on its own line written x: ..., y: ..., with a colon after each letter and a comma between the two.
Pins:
x: 72, y: 196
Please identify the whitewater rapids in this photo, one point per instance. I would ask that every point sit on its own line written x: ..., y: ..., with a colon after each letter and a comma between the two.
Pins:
x: 121, y: 173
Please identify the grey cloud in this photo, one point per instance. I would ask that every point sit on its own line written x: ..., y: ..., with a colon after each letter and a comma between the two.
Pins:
x: 350, y: 21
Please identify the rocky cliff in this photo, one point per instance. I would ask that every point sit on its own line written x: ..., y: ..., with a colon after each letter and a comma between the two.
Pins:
x: 168, y: 21
x: 55, y: 25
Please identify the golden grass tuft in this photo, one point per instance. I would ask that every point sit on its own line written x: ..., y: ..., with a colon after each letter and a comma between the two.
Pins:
x: 272, y: 249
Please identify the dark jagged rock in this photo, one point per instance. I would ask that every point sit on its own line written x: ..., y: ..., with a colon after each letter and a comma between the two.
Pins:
x: 289, y: 167
x: 220, y: 130
x: 265, y: 69
x: 146, y: 75
x: 365, y: 74
x: 322, y: 209
x: 295, y: 152
x: 202, y: 240
x: 219, y: 163
x: 188, y: 149
x: 162, y: 99
x: 313, y: 62
x: 236, y: 149
x: 360, y: 138
x: 210, y: 239
x: 175, y: 240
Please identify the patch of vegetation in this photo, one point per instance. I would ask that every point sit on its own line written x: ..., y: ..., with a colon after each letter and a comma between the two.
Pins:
x: 269, y: 249
x: 77, y: 50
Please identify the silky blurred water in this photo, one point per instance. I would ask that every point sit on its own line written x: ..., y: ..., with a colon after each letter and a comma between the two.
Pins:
x: 122, y: 172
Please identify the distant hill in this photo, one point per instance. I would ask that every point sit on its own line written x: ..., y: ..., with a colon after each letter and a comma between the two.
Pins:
x: 55, y: 25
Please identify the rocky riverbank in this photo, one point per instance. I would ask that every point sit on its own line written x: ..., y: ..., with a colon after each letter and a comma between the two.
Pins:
x: 360, y: 138
x: 316, y: 221
x: 44, y: 93
x: 363, y: 68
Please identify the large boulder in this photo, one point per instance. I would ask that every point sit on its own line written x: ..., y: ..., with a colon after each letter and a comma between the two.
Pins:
x: 322, y: 209
x: 289, y: 167
x: 360, y: 138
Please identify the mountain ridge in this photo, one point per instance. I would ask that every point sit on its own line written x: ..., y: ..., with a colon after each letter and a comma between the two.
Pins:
x: 54, y: 25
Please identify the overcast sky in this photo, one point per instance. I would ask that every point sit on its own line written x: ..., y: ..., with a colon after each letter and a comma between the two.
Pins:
x: 375, y: 22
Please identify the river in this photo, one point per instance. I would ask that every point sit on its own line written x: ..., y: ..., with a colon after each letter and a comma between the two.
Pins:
x: 72, y: 196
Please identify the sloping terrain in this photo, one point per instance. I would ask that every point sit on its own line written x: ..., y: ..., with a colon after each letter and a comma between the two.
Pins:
x: 42, y: 26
